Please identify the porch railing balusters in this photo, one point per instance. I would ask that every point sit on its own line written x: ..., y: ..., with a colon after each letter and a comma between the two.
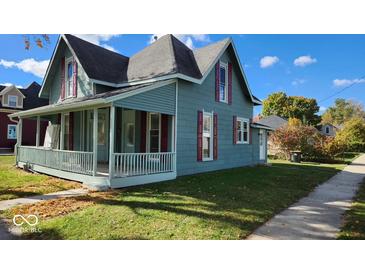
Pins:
x: 72, y: 161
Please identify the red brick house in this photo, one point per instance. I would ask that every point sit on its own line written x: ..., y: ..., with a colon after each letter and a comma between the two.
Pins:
x: 13, y: 99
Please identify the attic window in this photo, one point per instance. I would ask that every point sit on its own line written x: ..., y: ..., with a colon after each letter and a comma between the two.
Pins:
x: 69, y: 77
x: 327, y: 129
x: 223, y: 82
x: 12, y: 101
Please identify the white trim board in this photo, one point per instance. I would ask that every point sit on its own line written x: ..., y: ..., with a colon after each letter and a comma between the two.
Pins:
x: 142, y: 180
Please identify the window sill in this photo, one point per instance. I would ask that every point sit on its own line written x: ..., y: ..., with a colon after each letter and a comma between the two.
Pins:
x: 207, y: 159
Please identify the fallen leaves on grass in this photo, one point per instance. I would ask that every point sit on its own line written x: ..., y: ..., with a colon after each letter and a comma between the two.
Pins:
x: 62, y: 206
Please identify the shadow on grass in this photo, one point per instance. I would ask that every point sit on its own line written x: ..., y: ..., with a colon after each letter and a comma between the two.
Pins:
x: 244, y: 198
x: 241, y: 197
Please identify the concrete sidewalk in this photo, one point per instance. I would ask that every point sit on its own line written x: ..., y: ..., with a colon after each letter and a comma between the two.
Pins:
x: 319, y: 215
x: 4, y: 205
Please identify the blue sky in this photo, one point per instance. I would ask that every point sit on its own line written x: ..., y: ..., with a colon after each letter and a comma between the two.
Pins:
x: 315, y: 66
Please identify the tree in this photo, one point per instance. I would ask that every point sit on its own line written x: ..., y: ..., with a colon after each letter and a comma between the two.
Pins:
x: 299, y: 107
x: 342, y: 111
x: 352, y: 133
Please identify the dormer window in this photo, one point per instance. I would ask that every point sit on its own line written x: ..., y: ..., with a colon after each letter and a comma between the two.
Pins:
x: 12, y: 101
x: 69, y: 77
x: 223, y: 82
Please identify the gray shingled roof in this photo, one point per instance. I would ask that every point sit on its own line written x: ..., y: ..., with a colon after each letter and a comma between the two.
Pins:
x: 273, y: 121
x: 166, y: 56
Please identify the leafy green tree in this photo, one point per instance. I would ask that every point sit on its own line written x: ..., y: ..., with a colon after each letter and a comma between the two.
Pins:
x: 299, y: 107
x: 343, y: 110
x: 353, y: 132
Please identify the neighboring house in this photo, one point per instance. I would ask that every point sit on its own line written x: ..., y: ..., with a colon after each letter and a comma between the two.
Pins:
x: 274, y: 122
x: 166, y: 111
x: 13, y: 99
x: 328, y: 129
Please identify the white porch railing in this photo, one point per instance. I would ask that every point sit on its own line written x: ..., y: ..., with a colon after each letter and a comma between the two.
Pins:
x: 134, y: 164
x: 66, y: 160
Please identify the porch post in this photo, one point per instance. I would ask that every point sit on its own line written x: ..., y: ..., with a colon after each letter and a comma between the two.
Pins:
x: 111, y: 141
x: 19, y: 130
x: 62, y: 132
x: 95, y: 141
x: 38, y: 131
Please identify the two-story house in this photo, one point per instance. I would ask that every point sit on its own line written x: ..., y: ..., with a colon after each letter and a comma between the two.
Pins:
x: 13, y: 99
x: 166, y: 111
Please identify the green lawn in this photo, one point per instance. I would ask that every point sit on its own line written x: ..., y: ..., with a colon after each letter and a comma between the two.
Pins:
x: 219, y: 205
x: 16, y: 183
x: 354, y: 226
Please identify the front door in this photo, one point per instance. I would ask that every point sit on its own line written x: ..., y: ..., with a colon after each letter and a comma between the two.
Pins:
x: 128, y: 131
x: 262, y: 141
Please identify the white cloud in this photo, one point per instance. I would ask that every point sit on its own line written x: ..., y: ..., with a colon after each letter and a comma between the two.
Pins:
x: 297, y: 82
x: 99, y: 39
x: 37, y: 68
x: 347, y: 82
x: 303, y: 61
x: 268, y: 61
x: 187, y: 39
x: 10, y: 84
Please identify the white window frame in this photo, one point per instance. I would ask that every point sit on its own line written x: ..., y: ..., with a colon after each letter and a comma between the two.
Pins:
x: 242, y: 121
x: 69, y: 93
x: 225, y: 66
x: 211, y: 115
x: 16, y: 133
x: 16, y: 101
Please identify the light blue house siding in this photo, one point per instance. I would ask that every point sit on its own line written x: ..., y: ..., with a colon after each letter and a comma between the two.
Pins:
x: 160, y: 100
x: 194, y: 97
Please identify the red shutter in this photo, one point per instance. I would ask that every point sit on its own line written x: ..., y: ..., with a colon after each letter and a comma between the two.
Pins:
x: 143, y: 131
x: 71, y: 132
x: 217, y: 82
x: 229, y: 83
x: 200, y: 136
x: 63, y: 87
x: 164, y: 132
x: 215, y: 136
x: 249, y: 132
x: 74, y: 80
x: 234, y: 129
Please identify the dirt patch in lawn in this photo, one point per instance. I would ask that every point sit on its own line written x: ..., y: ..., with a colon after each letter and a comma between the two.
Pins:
x: 62, y: 206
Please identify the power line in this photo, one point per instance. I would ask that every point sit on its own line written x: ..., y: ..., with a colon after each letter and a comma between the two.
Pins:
x: 338, y: 92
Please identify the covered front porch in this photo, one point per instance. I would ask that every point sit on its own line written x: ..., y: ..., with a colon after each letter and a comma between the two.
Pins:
x: 104, y: 146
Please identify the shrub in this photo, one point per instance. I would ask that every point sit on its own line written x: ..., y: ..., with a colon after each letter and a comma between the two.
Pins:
x: 313, y: 145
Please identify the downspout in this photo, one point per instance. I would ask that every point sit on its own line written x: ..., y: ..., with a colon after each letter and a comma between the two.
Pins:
x: 17, y: 139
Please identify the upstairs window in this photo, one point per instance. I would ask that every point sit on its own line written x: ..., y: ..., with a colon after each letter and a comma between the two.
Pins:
x: 327, y: 129
x: 242, y: 127
x: 12, y: 101
x: 223, y: 82
x: 69, y: 78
